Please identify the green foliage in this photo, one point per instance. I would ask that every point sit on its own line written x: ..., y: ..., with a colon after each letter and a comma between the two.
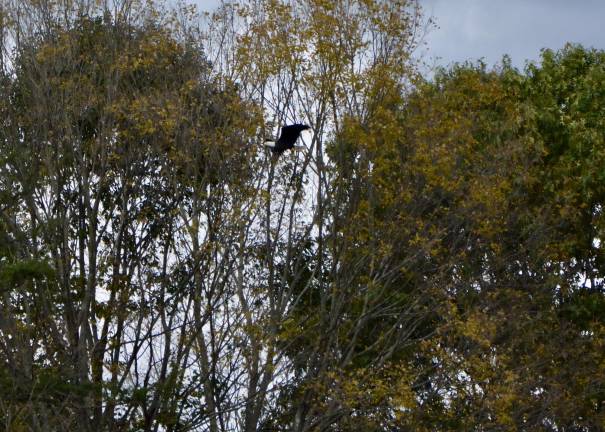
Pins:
x: 440, y: 269
x: 112, y: 128
x: 482, y: 190
x: 525, y: 280
x: 17, y: 273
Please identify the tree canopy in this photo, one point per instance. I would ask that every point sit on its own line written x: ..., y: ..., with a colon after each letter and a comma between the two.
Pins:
x: 433, y: 261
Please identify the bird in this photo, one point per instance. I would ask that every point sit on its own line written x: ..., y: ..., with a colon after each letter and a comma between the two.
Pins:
x: 287, y: 138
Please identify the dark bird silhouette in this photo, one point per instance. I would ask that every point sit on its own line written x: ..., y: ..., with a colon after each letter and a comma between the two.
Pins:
x: 289, y: 135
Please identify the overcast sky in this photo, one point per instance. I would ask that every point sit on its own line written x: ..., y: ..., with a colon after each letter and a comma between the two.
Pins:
x: 473, y: 29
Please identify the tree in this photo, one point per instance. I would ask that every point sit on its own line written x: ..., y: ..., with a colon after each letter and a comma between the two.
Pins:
x: 117, y: 139
x: 432, y: 262
x: 509, y: 158
x: 174, y: 280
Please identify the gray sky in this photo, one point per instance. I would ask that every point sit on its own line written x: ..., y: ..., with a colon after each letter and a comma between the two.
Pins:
x: 472, y: 29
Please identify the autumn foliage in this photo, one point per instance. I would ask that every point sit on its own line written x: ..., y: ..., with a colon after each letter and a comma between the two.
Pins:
x: 432, y: 261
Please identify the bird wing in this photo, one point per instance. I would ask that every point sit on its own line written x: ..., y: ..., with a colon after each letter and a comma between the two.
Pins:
x: 289, y: 132
x: 275, y: 146
x: 289, y: 135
